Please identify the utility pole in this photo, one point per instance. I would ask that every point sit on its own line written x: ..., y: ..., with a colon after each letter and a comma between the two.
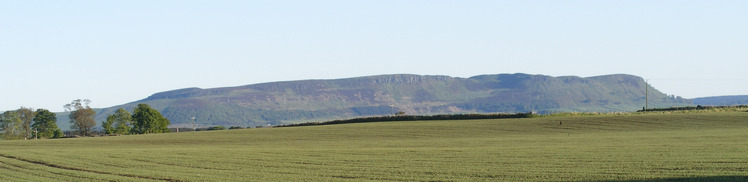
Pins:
x: 193, y: 123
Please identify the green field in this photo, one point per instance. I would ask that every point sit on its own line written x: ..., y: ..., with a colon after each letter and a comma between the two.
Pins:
x: 696, y: 146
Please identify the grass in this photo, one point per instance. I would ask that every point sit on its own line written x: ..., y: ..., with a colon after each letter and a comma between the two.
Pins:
x: 676, y: 146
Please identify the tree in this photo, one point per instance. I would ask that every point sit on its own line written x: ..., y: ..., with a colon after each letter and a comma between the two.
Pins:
x: 9, y: 124
x: 58, y: 134
x: 107, y: 125
x: 118, y: 123
x: 45, y: 124
x: 26, y: 115
x: 400, y: 113
x: 81, y: 116
x: 148, y: 120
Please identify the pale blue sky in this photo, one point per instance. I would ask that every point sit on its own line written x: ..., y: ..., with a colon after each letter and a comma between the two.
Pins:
x: 114, y: 52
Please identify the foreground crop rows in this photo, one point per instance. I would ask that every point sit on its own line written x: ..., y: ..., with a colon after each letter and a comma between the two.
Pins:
x: 692, y: 146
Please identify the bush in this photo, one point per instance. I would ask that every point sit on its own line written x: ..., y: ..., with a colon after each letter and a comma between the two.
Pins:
x: 57, y: 134
x: 236, y: 127
x: 216, y: 128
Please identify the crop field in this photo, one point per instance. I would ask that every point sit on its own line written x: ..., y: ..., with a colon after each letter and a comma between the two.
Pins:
x: 693, y: 146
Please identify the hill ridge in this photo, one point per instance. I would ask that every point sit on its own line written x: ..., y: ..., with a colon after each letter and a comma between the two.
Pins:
x: 722, y: 100
x: 287, y: 102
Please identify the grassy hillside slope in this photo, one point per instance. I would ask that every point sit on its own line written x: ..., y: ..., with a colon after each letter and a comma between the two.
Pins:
x: 722, y: 100
x: 707, y: 146
x: 319, y: 100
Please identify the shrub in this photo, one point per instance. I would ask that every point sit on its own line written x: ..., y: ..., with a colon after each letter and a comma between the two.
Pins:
x: 216, y: 128
x: 57, y: 134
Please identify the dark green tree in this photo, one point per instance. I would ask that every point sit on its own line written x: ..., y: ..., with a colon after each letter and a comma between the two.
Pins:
x: 9, y: 124
x: 148, y: 120
x: 58, y: 134
x: 107, y: 125
x: 45, y: 124
x: 118, y: 123
x: 81, y: 116
x: 26, y: 115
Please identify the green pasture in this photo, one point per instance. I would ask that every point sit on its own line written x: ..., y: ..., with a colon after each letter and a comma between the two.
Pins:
x: 696, y: 146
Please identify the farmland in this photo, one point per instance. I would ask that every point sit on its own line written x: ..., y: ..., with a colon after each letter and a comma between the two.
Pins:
x: 687, y: 146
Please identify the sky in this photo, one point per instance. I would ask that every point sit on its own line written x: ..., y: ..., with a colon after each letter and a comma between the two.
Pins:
x: 116, y: 52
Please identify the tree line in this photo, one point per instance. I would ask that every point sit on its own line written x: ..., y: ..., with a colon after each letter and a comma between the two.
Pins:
x: 143, y: 120
x: 24, y: 123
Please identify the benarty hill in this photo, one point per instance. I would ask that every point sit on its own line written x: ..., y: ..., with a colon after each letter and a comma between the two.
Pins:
x: 722, y: 100
x: 316, y: 100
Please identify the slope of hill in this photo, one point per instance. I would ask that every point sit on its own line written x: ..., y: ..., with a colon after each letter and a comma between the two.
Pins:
x: 722, y: 100
x: 315, y: 100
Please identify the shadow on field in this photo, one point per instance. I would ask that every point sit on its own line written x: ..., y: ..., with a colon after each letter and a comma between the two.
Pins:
x: 708, y: 178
